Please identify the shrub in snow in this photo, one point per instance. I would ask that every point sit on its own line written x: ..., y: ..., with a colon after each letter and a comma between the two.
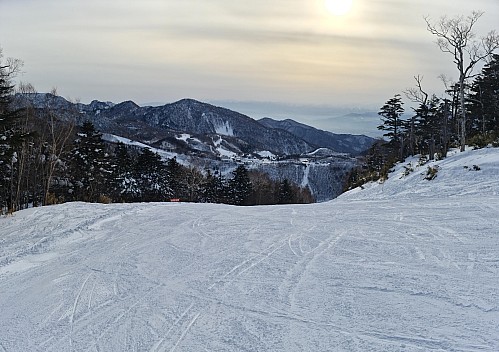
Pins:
x: 423, y: 159
x: 407, y: 170
x: 431, y: 173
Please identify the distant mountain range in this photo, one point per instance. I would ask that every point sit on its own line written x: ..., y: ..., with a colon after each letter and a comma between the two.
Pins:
x: 207, y: 122
x: 214, y: 137
x: 343, y: 143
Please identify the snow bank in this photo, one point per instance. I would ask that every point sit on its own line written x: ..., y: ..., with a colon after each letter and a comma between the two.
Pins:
x: 473, y: 172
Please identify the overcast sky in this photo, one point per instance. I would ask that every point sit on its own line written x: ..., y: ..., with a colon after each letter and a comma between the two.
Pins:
x: 291, y: 52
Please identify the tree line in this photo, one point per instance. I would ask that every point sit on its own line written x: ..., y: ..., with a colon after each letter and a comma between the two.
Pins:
x: 121, y: 173
x: 45, y: 158
x: 467, y: 114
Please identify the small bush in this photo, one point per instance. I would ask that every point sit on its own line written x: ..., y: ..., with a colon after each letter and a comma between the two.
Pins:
x: 53, y: 199
x: 473, y: 168
x: 407, y: 170
x: 484, y: 140
x: 105, y: 199
x: 423, y: 159
x: 431, y: 173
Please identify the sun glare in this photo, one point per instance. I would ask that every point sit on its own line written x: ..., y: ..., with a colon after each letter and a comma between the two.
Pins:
x: 338, y: 7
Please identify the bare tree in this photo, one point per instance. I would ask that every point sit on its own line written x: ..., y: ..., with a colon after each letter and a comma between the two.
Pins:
x: 456, y: 37
x: 58, y: 141
x: 416, y: 95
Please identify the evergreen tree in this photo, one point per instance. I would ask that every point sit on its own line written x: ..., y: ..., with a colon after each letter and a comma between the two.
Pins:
x: 124, y: 186
x: 150, y: 173
x: 240, y: 186
x: 394, y: 126
x: 90, y: 165
x: 390, y: 115
x: 484, y: 99
x: 175, y: 174
x: 429, y: 126
x: 11, y: 135
x: 213, y: 188
x: 285, y: 193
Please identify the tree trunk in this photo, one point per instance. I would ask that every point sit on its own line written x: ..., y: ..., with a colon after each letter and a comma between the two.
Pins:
x: 445, y: 130
x: 463, y: 112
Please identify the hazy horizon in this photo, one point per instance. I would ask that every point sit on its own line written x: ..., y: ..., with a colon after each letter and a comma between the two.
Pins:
x: 287, y: 53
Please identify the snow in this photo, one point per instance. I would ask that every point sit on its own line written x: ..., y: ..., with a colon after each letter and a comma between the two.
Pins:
x: 181, y: 159
x: 407, y: 265
x: 455, y: 177
x: 184, y: 137
x: 306, y: 173
x: 225, y: 152
x: 224, y: 128
x: 117, y: 139
x: 267, y: 154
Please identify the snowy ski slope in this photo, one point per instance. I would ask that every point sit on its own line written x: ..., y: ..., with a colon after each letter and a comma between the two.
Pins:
x: 409, y: 265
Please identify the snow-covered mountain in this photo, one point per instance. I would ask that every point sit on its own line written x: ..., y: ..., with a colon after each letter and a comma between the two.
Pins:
x: 343, y: 143
x: 322, y: 171
x: 153, y: 124
x: 407, y: 265
x: 205, y: 121
x: 210, y: 137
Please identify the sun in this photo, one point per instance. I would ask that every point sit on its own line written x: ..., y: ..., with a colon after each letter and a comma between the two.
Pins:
x: 338, y: 7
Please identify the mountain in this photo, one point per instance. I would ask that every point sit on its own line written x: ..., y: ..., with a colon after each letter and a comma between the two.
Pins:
x: 343, y: 143
x: 211, y: 137
x: 196, y: 118
x: 408, y: 265
x: 364, y: 122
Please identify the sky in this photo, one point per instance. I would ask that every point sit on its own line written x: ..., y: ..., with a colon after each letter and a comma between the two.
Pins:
x: 292, y: 55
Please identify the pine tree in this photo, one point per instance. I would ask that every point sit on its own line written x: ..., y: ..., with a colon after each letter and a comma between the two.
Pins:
x: 90, y: 165
x: 390, y: 115
x: 11, y: 136
x: 429, y: 125
x: 285, y: 193
x: 123, y: 184
x: 239, y: 186
x: 150, y: 173
x: 213, y: 189
x: 175, y: 174
x: 484, y: 99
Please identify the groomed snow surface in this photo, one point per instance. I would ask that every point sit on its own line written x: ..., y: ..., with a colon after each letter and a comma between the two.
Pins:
x: 408, y: 265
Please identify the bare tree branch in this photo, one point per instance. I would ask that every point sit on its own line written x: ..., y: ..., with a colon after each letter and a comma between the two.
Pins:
x: 456, y: 37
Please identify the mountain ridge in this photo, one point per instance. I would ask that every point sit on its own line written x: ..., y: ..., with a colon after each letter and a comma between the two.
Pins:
x: 216, y: 138
x: 153, y: 123
x: 339, y: 142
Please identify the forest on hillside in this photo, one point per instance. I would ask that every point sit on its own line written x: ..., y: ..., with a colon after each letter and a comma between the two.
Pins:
x: 45, y: 158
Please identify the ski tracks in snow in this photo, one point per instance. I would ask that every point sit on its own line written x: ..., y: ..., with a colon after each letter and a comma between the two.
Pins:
x: 291, y: 282
x: 177, y: 331
x: 71, y: 318
x: 248, y: 264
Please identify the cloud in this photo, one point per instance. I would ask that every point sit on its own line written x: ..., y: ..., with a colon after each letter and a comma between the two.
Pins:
x: 219, y: 49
